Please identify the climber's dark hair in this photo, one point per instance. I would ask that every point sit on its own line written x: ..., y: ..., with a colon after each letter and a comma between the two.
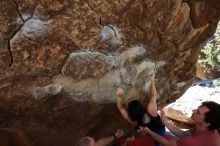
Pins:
x: 213, y: 115
x: 136, y: 111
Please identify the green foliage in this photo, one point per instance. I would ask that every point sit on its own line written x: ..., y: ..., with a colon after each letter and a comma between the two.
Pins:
x: 210, y: 60
x: 217, y: 83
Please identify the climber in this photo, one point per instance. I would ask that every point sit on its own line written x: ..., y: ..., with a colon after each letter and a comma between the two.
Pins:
x: 205, y: 133
x: 139, y: 115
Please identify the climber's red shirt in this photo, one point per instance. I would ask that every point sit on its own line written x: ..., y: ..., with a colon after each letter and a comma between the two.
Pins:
x: 209, y: 138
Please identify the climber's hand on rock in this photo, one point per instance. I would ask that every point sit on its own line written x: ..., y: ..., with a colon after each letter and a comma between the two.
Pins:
x: 120, y: 92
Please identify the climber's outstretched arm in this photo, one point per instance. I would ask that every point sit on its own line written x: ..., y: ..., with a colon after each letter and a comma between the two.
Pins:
x: 121, y: 108
x: 152, y: 105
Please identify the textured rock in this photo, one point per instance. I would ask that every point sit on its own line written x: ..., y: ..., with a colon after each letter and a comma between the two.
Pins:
x: 90, y: 48
x: 88, y: 64
x: 111, y: 35
x: 178, y: 116
x: 133, y: 79
x: 50, y: 90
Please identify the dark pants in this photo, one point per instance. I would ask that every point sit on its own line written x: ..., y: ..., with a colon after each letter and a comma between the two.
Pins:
x: 161, y: 133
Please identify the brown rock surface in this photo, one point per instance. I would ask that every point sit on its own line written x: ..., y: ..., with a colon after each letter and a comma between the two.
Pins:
x: 131, y: 38
x: 178, y: 116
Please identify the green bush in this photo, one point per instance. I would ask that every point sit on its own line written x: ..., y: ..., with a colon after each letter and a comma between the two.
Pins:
x: 217, y: 83
x: 210, y: 57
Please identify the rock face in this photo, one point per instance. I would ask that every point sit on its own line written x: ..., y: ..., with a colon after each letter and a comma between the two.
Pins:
x: 84, y: 50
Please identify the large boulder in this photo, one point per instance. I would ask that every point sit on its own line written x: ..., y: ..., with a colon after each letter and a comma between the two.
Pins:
x: 55, y: 54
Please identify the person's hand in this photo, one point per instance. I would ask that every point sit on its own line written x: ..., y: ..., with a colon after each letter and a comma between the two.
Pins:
x: 143, y: 129
x: 119, y: 133
x: 163, y: 116
x: 120, y: 92
x: 153, y: 76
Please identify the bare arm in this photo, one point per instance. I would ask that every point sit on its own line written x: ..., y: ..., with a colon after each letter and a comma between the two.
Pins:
x: 104, y: 141
x: 159, y: 138
x: 176, y: 131
x: 121, y: 108
x: 107, y: 140
x: 152, y: 105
